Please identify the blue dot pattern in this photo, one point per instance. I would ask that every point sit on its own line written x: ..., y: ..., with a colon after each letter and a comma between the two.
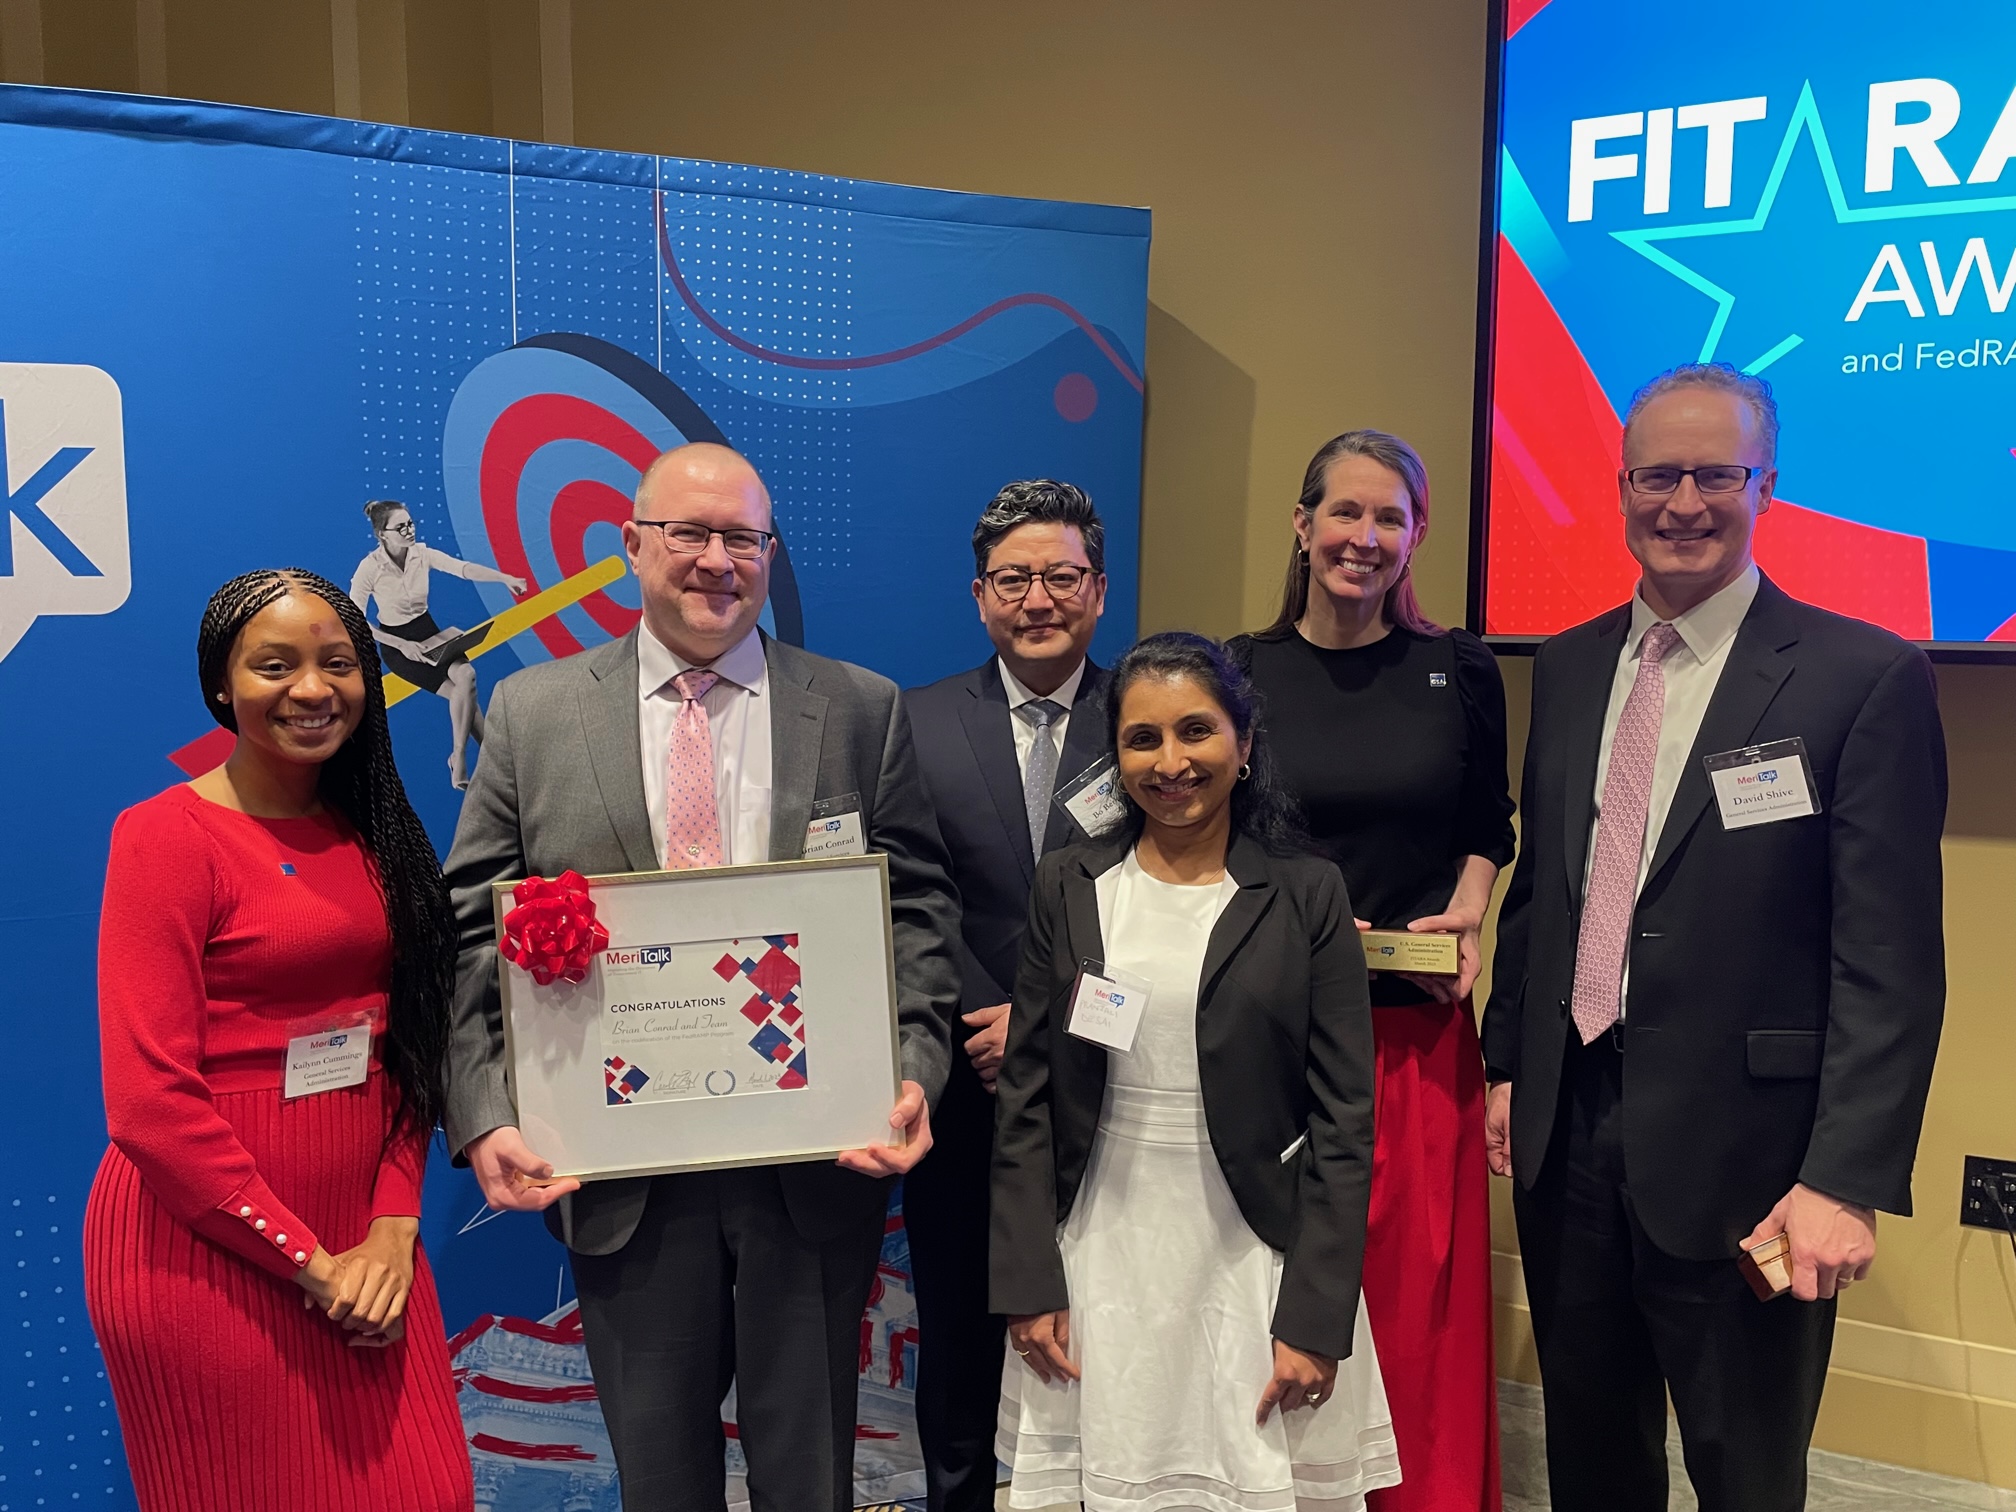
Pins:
x: 59, y: 1436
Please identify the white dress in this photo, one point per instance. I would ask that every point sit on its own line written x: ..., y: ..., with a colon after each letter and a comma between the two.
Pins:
x: 1172, y: 1295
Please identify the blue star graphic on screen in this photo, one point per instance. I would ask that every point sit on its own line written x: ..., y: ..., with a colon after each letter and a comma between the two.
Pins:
x: 1800, y: 280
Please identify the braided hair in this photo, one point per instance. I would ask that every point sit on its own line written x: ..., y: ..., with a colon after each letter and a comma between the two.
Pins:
x: 361, y: 783
x: 1262, y: 806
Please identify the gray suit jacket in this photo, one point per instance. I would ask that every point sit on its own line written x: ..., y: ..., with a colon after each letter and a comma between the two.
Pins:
x: 561, y: 785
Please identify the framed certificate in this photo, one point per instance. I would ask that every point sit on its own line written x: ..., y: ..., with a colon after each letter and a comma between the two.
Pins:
x: 740, y: 1015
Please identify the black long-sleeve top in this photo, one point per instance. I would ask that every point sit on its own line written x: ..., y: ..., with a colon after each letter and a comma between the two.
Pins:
x: 1396, y: 752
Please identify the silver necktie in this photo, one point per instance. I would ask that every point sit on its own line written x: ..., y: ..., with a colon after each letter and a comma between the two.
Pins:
x: 1040, y: 779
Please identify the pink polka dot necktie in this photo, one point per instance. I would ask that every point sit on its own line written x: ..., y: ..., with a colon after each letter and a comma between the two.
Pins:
x: 1612, y: 898
x: 692, y: 823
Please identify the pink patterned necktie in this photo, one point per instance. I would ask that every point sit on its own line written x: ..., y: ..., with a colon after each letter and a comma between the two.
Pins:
x: 1612, y: 897
x: 692, y: 823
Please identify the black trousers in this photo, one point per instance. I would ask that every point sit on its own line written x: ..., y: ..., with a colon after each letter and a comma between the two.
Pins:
x: 716, y: 1287
x: 959, y: 1341
x: 1619, y: 1323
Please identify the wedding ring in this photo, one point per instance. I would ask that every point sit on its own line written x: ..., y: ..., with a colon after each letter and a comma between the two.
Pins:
x: 1023, y: 1352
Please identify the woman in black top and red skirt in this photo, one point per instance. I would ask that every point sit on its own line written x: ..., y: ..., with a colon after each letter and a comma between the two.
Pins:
x: 1391, y: 733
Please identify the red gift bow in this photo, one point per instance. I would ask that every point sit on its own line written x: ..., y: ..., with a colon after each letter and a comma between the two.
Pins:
x: 553, y: 932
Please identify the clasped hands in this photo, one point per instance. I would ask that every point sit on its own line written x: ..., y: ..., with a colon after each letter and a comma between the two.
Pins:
x: 515, y: 1177
x: 1300, y: 1378
x: 364, y: 1289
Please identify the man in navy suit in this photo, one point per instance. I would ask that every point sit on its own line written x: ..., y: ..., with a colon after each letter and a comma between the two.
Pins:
x: 997, y: 746
x: 1719, y: 980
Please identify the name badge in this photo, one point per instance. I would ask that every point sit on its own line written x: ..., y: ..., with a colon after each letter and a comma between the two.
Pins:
x: 1106, y: 1007
x: 1763, y: 784
x: 1092, y: 798
x: 835, y: 828
x: 328, y: 1059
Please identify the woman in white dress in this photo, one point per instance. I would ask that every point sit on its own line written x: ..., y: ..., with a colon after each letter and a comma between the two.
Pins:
x: 1179, y: 1224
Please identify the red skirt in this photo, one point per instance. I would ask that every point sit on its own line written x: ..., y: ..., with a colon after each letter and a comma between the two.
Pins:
x: 1428, y: 1260
x: 231, y: 1394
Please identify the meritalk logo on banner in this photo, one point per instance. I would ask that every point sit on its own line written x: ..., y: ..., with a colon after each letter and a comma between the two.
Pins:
x: 63, y: 535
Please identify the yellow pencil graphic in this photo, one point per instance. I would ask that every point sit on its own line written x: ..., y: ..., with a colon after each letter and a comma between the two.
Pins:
x: 522, y: 616
x: 207, y: 751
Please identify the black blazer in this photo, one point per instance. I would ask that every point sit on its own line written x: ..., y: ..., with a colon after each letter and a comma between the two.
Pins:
x: 1284, y: 1041
x: 965, y: 743
x: 1787, y: 980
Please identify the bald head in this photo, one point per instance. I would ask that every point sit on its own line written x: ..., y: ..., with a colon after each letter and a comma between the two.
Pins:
x: 694, y: 504
x: 696, y: 471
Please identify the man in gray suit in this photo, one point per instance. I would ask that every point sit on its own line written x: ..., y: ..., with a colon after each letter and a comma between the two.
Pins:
x: 697, y: 740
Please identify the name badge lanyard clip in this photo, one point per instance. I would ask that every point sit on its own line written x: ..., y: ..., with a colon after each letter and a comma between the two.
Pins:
x: 1092, y: 800
x: 834, y: 828
x: 336, y: 1054
x: 1762, y: 784
x: 1106, y: 1006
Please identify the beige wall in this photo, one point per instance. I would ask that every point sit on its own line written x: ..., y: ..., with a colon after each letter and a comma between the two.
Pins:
x: 1313, y: 168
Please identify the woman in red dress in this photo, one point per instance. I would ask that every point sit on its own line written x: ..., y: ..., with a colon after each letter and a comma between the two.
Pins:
x: 275, y: 958
x: 1391, y: 733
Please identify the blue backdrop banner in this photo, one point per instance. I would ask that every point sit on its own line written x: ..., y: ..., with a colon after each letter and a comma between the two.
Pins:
x: 228, y: 329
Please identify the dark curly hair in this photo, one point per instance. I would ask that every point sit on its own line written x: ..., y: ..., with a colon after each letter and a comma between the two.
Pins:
x: 361, y: 783
x: 1261, y: 805
x: 1039, y: 501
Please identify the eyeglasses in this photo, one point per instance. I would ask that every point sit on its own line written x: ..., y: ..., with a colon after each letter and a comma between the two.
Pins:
x: 689, y: 538
x: 1012, y: 584
x: 404, y: 529
x: 1720, y: 478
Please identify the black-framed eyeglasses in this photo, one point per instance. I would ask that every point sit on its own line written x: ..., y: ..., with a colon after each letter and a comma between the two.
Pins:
x: 690, y: 538
x: 1011, y: 584
x: 1717, y: 478
x: 404, y: 528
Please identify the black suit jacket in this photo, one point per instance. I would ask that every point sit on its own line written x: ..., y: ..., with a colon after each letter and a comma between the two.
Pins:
x: 1284, y: 1043
x: 965, y: 743
x: 1787, y: 980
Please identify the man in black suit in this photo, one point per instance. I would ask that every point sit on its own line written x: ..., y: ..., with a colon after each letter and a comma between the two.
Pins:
x: 1720, y: 976
x: 996, y: 745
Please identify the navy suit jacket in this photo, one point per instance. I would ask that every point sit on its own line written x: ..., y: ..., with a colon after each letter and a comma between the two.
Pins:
x: 1788, y: 979
x: 965, y: 744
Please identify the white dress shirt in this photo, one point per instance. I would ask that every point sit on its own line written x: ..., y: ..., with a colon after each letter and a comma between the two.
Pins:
x: 738, y: 722
x: 1025, y: 729
x: 400, y: 588
x: 1692, y: 669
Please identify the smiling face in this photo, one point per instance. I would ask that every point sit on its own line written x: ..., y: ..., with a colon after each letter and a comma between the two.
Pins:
x: 1179, y: 752
x: 1042, y: 638
x: 1361, y: 533
x: 1690, y: 544
x: 701, y: 605
x: 294, y: 680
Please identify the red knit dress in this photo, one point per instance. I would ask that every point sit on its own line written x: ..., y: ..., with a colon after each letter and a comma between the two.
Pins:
x: 222, y: 938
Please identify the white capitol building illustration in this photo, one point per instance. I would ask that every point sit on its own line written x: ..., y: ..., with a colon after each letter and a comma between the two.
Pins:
x: 535, y: 1433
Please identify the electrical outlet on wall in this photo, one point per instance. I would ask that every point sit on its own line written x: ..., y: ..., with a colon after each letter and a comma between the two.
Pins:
x: 1983, y: 1181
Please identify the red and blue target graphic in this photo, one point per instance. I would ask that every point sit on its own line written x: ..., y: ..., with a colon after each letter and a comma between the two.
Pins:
x: 541, y: 454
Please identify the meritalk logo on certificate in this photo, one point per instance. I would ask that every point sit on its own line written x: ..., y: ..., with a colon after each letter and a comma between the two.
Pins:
x: 704, y: 1018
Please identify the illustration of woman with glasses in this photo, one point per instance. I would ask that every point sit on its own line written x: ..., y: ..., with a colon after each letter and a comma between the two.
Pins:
x: 411, y: 643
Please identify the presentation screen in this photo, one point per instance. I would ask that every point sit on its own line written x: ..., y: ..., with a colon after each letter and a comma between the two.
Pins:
x: 1820, y: 192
